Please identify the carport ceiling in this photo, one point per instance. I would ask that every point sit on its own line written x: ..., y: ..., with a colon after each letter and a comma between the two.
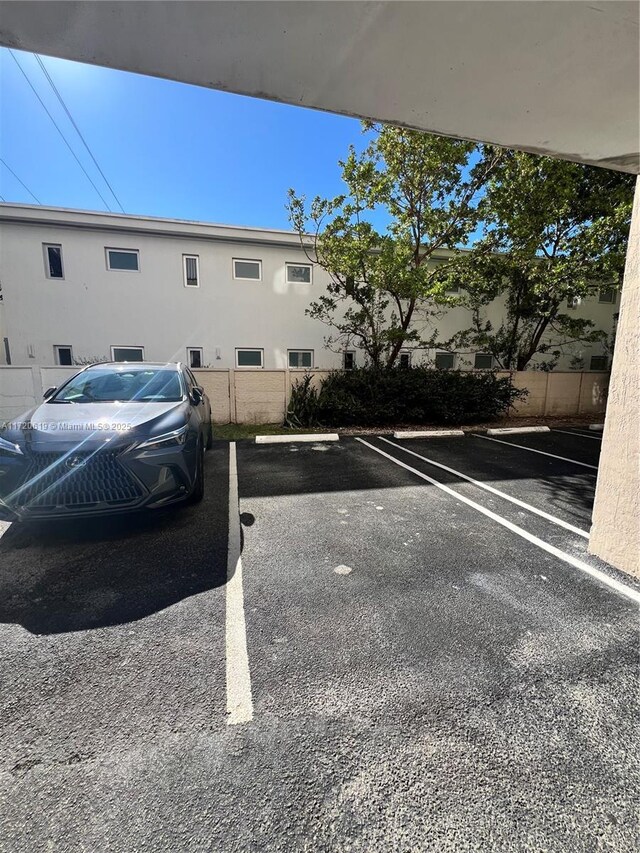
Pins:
x: 559, y: 78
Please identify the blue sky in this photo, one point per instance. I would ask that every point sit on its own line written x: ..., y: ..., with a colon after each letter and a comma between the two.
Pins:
x: 168, y: 149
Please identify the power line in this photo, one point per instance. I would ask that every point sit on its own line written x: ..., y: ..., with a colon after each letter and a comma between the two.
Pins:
x: 9, y: 169
x: 64, y: 138
x: 84, y: 142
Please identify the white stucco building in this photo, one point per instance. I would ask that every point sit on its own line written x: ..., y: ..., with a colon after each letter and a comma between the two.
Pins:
x: 82, y: 286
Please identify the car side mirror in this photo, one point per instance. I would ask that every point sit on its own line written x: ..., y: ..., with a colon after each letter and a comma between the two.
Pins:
x: 196, y: 396
x: 49, y: 392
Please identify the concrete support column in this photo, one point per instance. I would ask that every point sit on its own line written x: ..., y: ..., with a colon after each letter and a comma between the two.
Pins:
x: 615, y: 533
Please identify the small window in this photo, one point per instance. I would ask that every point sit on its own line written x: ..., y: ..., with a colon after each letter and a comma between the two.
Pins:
x: 63, y: 355
x: 349, y: 360
x: 483, y: 361
x: 598, y: 362
x: 608, y: 296
x: 454, y: 288
x: 574, y: 301
x: 127, y: 353
x: 191, y: 269
x: 300, y: 358
x: 127, y: 260
x: 53, y: 260
x: 404, y: 359
x: 247, y: 270
x: 298, y: 273
x: 194, y: 356
x: 444, y: 360
x: 249, y: 357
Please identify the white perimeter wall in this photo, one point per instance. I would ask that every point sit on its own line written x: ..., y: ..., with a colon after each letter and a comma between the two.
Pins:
x: 262, y: 396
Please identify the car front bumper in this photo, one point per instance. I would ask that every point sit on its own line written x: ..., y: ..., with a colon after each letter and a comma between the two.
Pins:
x: 66, y: 482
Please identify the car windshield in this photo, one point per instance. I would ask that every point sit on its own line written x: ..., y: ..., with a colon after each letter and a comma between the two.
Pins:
x: 109, y: 385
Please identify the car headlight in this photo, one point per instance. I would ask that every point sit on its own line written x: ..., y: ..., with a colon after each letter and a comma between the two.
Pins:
x: 176, y: 438
x: 9, y: 447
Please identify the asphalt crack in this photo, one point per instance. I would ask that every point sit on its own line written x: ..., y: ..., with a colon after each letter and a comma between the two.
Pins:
x: 29, y: 764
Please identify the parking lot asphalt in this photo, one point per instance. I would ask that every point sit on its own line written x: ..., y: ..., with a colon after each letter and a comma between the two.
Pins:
x: 429, y: 665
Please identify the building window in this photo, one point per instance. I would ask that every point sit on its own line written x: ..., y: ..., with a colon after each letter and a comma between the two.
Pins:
x: 608, y: 296
x: 127, y: 353
x: 191, y: 269
x: 453, y: 288
x: 127, y: 260
x: 249, y: 357
x: 298, y: 273
x: 63, y: 355
x: 53, y: 260
x: 404, y: 358
x: 598, y: 362
x: 194, y: 356
x: 349, y: 359
x: 246, y: 270
x: 574, y: 301
x: 445, y: 360
x: 483, y: 361
x: 301, y: 358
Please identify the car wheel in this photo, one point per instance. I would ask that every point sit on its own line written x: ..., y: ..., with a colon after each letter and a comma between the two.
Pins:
x: 197, y: 493
x: 209, y: 443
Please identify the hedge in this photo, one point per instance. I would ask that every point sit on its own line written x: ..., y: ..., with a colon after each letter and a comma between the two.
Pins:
x: 415, y: 395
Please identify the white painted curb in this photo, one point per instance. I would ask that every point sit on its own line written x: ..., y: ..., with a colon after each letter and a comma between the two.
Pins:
x: 511, y: 430
x: 287, y: 439
x: 596, y: 427
x: 434, y: 433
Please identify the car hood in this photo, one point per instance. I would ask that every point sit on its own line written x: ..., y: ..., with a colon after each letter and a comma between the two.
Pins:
x: 69, y: 424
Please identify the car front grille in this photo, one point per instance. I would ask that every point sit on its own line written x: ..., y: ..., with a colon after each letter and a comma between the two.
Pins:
x: 76, y: 480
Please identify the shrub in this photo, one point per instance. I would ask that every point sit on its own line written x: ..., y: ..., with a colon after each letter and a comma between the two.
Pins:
x: 417, y: 395
x: 303, y: 404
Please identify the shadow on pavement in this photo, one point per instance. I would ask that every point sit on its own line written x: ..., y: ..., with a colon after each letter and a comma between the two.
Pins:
x: 571, y: 495
x: 81, y: 574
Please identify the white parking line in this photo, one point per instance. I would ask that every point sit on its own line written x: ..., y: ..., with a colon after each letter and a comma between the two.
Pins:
x: 533, y: 450
x: 621, y: 588
x: 239, y: 700
x: 493, y: 490
x: 579, y: 434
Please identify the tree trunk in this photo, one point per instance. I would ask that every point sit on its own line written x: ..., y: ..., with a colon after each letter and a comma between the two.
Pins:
x: 395, y: 349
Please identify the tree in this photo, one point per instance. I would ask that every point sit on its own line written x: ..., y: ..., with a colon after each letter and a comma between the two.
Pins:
x: 428, y: 188
x: 554, y: 233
